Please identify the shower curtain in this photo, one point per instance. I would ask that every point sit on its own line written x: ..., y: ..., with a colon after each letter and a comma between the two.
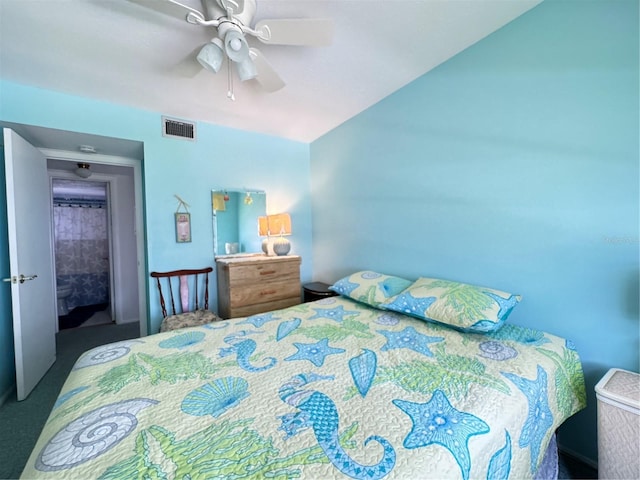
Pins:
x: 82, y: 252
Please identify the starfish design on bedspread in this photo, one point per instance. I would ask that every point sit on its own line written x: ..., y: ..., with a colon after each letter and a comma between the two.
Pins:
x: 407, y: 303
x: 259, y: 320
x: 314, y: 352
x: 438, y: 422
x: 505, y: 304
x: 409, y: 338
x: 345, y: 287
x: 337, y: 314
x: 539, y: 419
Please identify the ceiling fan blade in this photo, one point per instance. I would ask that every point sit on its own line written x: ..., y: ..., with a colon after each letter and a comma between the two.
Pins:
x: 311, y: 32
x: 267, y: 77
x: 189, y: 67
x: 171, y: 8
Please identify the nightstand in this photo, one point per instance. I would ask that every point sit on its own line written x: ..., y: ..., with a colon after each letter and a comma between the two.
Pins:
x: 316, y: 291
x: 254, y: 284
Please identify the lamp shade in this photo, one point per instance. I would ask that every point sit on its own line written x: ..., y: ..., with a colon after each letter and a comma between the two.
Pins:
x: 263, y: 226
x: 280, y: 224
x: 211, y: 55
x: 246, y: 70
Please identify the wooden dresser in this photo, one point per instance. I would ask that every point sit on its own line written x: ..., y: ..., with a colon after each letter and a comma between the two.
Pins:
x: 257, y: 284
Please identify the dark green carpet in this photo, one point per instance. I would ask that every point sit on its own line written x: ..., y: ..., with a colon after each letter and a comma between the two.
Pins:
x: 21, y: 422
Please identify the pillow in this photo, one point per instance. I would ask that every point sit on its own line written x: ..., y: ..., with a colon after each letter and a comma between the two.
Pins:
x: 466, y: 307
x: 369, y: 287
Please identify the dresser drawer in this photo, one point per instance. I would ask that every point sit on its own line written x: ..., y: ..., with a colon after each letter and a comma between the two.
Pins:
x: 263, y: 292
x: 248, y: 310
x: 257, y: 284
x: 240, y: 275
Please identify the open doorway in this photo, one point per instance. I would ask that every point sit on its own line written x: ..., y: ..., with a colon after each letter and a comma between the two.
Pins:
x: 112, y: 181
x: 81, y: 221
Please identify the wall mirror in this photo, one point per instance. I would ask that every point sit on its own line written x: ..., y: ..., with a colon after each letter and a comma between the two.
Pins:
x: 235, y: 220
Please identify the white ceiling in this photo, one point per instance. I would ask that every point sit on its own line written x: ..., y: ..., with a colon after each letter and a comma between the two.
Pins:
x: 121, y: 52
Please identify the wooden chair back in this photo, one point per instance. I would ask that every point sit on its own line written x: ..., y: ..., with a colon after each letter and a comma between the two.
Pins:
x: 186, y: 284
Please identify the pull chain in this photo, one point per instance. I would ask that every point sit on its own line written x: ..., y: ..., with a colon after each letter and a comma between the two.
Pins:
x: 230, y: 94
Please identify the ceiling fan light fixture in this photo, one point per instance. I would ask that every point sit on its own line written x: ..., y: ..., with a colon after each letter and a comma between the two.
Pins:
x: 211, y: 55
x: 236, y: 46
x: 246, y: 70
x: 83, y: 170
x: 233, y: 21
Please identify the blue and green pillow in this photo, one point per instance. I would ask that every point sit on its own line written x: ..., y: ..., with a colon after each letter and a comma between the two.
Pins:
x: 462, y: 306
x: 371, y: 288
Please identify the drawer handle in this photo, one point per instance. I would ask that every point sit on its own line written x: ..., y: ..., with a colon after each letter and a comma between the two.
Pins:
x: 268, y: 272
x: 268, y: 292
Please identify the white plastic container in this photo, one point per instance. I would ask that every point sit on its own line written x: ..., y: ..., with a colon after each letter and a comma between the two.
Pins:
x: 618, y: 394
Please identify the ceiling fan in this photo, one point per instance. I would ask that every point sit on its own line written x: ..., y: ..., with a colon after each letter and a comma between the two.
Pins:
x: 232, y: 20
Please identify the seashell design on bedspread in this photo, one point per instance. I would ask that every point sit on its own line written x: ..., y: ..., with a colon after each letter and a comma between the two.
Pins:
x: 328, y: 389
x: 363, y: 370
x: 105, y: 353
x: 497, y: 351
x: 182, y: 340
x: 216, y: 397
x: 91, y: 435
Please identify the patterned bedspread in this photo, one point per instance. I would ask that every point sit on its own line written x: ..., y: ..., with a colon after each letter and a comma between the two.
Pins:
x: 329, y: 389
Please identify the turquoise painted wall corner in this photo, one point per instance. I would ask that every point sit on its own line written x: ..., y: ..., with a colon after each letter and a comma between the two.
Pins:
x: 514, y: 165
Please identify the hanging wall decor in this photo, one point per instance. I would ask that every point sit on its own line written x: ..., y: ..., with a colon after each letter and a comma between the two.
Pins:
x: 183, y: 222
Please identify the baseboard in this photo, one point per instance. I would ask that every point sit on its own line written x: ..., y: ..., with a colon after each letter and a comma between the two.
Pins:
x: 579, y: 457
x: 7, y: 394
x: 130, y: 320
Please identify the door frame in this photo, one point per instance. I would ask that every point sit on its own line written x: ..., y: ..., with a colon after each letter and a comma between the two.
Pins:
x: 95, y: 158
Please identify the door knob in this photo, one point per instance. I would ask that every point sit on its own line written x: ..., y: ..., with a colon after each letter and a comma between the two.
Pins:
x: 21, y: 279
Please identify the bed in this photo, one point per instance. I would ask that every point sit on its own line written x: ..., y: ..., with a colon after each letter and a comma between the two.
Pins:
x: 344, y: 387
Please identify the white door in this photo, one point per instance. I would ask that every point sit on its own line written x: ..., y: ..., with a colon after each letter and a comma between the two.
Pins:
x: 30, y: 261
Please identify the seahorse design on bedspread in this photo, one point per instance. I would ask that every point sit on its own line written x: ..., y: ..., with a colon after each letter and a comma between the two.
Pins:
x: 319, y: 411
x: 244, y: 348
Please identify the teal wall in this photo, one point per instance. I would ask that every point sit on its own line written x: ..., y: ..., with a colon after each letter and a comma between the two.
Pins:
x: 221, y: 157
x: 513, y: 165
